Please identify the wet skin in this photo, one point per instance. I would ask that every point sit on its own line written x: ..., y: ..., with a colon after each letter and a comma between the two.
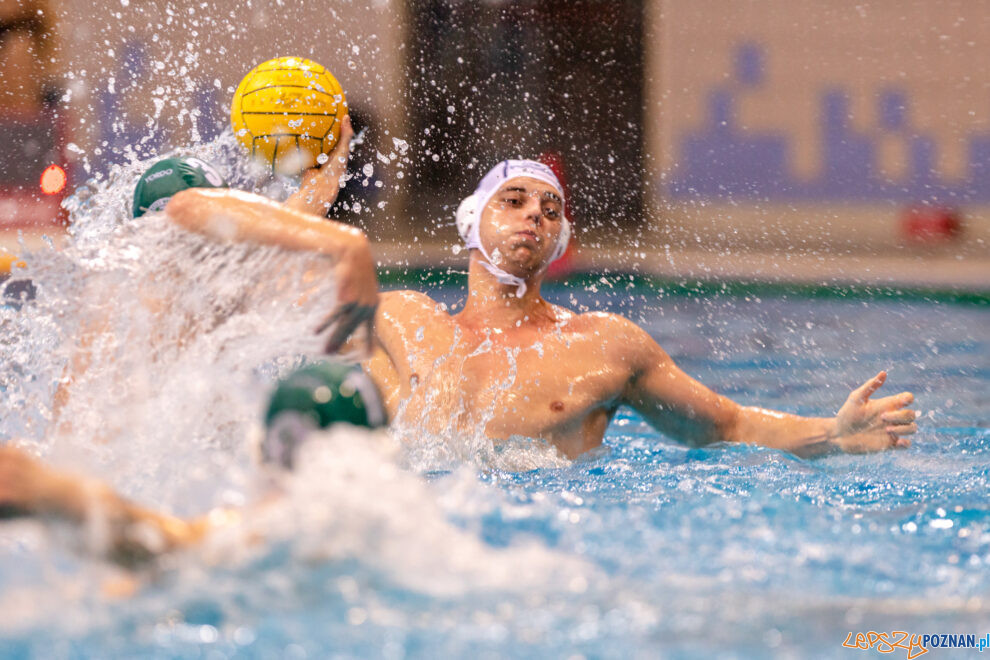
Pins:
x: 523, y: 367
x: 506, y: 365
x: 553, y: 378
x: 509, y: 365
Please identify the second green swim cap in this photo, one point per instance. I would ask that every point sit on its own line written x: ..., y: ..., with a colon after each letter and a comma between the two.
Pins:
x: 316, y: 397
x: 169, y: 176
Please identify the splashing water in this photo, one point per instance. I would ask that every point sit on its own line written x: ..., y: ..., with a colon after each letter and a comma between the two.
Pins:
x: 172, y: 343
x: 169, y: 340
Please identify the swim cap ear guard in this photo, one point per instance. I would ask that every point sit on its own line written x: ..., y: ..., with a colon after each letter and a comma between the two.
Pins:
x: 468, y: 216
x: 314, y: 397
x: 169, y: 176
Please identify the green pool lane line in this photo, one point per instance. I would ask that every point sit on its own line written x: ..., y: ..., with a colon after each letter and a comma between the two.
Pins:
x: 611, y: 281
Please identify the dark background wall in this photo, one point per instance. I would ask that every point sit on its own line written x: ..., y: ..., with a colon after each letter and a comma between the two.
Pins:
x: 557, y: 78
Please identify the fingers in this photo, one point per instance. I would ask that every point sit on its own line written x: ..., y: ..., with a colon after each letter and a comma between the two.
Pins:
x: 340, y: 335
x: 898, y: 434
x: 370, y: 328
x: 897, y: 442
x: 343, y: 148
x: 902, y: 429
x: 346, y: 130
x: 900, y: 423
x: 864, y: 391
x: 334, y: 316
x: 347, y: 318
x: 899, y: 416
x: 338, y: 155
x: 894, y: 402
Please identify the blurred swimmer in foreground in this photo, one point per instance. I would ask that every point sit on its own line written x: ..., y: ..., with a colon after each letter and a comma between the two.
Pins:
x: 315, y: 397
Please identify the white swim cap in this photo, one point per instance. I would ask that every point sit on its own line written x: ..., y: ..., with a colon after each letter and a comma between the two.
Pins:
x: 469, y: 213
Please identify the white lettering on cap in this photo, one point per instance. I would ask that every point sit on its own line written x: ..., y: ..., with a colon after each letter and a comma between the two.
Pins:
x: 159, y: 175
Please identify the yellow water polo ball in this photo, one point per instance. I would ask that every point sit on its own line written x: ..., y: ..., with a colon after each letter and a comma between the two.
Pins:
x: 287, y: 111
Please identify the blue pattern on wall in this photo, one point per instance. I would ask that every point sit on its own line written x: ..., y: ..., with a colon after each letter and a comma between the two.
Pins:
x: 121, y: 133
x: 722, y: 161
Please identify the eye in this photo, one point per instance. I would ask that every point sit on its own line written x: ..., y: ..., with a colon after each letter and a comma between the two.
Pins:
x: 551, y: 212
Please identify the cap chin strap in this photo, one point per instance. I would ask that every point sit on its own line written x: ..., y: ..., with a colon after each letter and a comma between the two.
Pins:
x: 504, y: 277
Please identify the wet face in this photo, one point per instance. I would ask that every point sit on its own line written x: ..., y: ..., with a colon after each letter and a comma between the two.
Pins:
x: 521, y: 224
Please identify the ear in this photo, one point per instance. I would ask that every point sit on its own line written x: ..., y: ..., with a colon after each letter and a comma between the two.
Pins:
x: 467, y: 215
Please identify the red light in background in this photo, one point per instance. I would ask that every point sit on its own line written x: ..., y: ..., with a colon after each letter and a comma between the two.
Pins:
x: 53, y: 180
x: 931, y: 224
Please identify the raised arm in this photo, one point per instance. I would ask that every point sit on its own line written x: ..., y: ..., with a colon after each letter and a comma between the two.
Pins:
x: 234, y: 215
x: 321, y: 185
x: 127, y: 534
x: 231, y: 215
x: 683, y: 408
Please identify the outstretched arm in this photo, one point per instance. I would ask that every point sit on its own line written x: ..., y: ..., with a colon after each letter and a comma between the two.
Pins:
x: 130, y: 534
x: 683, y: 408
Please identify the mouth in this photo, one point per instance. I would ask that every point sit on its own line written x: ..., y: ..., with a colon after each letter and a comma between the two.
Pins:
x: 530, y: 234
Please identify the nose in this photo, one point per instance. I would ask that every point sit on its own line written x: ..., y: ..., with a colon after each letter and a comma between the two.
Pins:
x: 533, y: 208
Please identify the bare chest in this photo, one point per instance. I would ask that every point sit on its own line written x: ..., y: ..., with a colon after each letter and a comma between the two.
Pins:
x: 559, y: 387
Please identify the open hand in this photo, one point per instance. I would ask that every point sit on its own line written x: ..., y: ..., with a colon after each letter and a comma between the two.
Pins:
x: 862, y: 425
x: 321, y: 184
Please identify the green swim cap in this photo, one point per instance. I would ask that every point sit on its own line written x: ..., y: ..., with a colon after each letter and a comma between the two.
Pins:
x: 167, y: 177
x: 315, y: 397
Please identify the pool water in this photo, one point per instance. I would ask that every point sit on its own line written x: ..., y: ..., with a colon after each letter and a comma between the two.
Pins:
x: 645, y: 548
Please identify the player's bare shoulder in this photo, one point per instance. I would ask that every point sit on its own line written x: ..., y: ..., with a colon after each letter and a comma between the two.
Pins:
x: 622, y: 339
x: 406, y: 303
x: 399, y: 311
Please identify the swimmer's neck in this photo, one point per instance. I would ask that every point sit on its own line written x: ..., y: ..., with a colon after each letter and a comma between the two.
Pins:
x: 493, y: 304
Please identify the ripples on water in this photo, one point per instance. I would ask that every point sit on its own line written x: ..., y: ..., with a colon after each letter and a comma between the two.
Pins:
x: 454, y: 548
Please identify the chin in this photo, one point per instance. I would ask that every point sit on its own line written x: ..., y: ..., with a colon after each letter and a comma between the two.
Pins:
x: 524, y: 262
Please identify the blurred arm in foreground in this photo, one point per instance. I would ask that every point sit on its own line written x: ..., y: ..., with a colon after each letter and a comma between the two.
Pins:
x: 127, y: 534
x: 317, y: 396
